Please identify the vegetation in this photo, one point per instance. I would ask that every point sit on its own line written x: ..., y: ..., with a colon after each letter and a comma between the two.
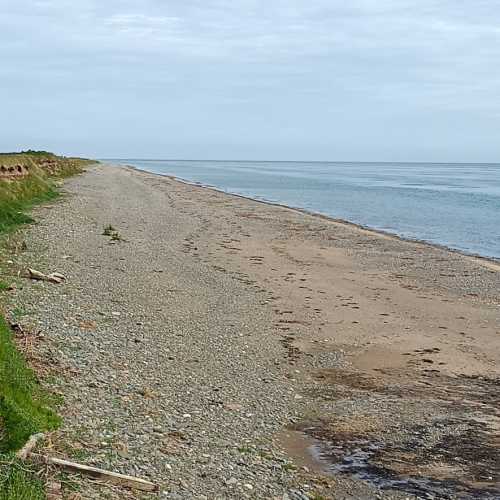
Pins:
x: 108, y: 230
x: 17, y: 196
x: 17, y: 482
x: 25, y: 408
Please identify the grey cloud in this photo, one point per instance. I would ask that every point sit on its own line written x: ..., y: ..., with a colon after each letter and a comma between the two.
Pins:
x: 318, y: 79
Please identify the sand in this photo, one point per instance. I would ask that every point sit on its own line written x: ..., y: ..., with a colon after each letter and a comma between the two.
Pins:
x: 365, y: 355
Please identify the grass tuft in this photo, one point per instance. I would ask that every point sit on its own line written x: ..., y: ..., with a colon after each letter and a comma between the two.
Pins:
x: 108, y: 230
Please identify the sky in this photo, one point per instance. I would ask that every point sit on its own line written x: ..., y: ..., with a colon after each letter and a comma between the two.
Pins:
x: 360, y: 80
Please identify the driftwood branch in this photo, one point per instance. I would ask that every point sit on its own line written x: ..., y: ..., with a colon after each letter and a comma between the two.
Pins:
x: 111, y: 477
x: 104, y: 475
x: 38, y: 276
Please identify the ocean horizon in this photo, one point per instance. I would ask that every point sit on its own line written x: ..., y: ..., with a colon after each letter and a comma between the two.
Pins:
x: 456, y: 205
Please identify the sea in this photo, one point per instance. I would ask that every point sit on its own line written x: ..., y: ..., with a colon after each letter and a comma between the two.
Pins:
x: 454, y: 205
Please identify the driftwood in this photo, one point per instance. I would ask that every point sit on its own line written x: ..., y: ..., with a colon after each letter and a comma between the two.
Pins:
x: 53, y: 277
x: 57, y: 277
x: 111, y: 477
x: 36, y: 275
x: 26, y: 450
x: 104, y: 475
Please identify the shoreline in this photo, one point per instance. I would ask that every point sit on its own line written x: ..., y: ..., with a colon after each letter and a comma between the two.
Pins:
x: 218, y: 338
x: 490, y: 262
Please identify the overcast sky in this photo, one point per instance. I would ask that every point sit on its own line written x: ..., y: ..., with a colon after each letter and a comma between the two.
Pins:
x: 392, y: 80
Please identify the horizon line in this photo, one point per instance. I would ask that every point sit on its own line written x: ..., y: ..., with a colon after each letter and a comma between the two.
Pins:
x: 300, y: 161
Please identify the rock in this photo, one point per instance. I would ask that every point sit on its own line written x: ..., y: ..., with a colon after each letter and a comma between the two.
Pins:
x: 297, y: 495
x: 233, y: 406
x: 147, y: 392
x: 122, y: 449
x: 88, y: 325
x: 54, y: 490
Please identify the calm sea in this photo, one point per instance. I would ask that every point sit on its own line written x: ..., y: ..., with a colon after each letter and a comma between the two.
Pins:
x: 456, y: 205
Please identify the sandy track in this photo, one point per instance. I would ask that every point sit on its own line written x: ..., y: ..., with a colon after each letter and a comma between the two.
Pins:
x: 222, y: 337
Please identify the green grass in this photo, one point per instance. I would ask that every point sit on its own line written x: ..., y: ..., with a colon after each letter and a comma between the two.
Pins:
x: 19, y: 196
x: 108, y: 230
x: 17, y: 482
x: 25, y: 408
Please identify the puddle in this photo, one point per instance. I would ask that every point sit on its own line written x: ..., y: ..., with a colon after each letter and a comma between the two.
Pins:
x: 356, y: 462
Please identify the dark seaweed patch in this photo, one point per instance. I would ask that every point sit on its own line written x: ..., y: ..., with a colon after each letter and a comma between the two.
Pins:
x: 465, y: 446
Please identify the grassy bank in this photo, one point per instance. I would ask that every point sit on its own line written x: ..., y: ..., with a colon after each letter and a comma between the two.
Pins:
x: 25, y: 408
x: 18, y: 195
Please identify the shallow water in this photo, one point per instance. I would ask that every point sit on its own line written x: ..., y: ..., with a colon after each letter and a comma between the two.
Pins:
x: 456, y: 205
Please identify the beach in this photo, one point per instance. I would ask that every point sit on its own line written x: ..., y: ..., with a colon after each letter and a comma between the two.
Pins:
x: 228, y: 348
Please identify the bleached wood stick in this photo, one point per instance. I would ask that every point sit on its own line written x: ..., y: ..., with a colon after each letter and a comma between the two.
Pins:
x: 112, y: 477
x: 36, y: 275
x: 29, y: 446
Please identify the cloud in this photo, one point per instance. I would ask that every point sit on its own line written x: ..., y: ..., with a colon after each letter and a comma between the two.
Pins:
x: 140, y: 23
x: 248, y: 60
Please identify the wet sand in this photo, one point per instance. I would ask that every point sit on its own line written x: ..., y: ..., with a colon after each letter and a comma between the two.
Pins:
x: 374, y: 361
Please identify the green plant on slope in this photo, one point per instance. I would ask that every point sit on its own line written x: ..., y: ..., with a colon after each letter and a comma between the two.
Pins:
x: 25, y: 408
x: 18, y: 196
